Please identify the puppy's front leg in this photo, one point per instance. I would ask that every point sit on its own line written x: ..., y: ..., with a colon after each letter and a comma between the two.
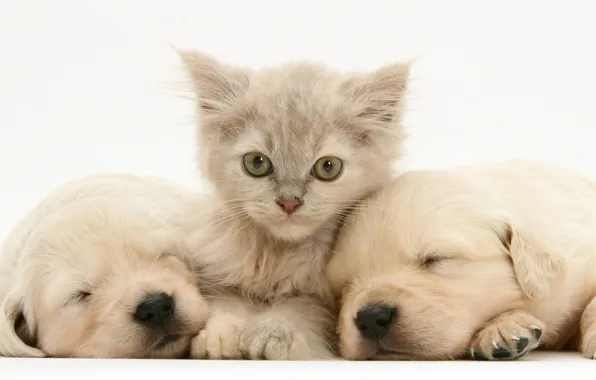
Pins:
x: 507, y: 337
x: 587, y: 329
x: 220, y: 339
x: 298, y: 328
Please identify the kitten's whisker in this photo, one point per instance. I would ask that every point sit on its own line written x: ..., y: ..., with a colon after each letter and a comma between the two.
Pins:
x: 229, y: 218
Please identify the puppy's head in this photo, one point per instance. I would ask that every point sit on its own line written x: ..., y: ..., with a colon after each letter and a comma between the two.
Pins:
x: 421, y: 266
x: 101, y: 279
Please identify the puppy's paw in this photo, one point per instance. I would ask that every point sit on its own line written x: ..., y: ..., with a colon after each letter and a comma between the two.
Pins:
x: 273, y: 338
x: 588, y: 348
x: 507, y: 337
x: 588, y: 331
x: 220, y: 339
x: 588, y: 343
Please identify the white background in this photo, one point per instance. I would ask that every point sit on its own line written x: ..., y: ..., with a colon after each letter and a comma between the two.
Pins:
x: 86, y: 86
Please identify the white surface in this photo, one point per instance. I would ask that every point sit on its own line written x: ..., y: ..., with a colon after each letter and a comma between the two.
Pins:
x: 535, y: 366
x: 82, y: 90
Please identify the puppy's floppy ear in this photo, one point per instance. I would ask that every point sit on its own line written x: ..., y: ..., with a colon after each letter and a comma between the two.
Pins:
x: 538, y: 270
x: 16, y: 338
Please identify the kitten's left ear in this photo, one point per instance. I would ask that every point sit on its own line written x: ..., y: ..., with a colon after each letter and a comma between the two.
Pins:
x: 538, y: 269
x: 217, y: 86
x: 378, y: 97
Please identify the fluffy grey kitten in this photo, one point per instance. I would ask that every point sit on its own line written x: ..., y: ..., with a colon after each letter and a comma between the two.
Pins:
x: 288, y: 150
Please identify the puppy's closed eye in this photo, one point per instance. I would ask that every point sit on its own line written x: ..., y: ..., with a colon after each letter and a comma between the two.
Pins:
x: 430, y: 261
x: 80, y: 296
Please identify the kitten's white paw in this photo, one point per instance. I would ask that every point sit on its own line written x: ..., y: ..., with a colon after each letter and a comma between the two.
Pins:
x: 220, y: 339
x: 273, y: 339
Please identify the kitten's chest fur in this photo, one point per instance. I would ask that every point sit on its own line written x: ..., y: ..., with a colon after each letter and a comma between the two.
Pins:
x: 246, y: 258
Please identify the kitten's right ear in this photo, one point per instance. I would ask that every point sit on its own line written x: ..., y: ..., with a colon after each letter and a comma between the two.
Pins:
x: 16, y: 338
x: 378, y: 97
x: 216, y: 85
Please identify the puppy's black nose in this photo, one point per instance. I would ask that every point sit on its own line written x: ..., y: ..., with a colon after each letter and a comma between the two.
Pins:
x: 374, y: 322
x: 156, y: 311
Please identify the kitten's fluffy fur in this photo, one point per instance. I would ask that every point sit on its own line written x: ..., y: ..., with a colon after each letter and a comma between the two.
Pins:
x: 279, y: 305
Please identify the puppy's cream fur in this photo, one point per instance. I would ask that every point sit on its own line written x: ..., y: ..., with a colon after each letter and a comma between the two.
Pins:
x: 490, y: 260
x: 273, y: 262
x: 117, y: 237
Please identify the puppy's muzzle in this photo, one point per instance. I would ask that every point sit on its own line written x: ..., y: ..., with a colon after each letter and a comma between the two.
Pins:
x: 374, y: 322
x: 156, y: 312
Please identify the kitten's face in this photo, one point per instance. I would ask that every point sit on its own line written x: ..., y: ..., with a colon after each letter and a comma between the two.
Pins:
x: 290, y: 148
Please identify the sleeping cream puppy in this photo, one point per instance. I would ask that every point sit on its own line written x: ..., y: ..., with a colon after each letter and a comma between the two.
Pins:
x: 99, y: 269
x: 489, y: 262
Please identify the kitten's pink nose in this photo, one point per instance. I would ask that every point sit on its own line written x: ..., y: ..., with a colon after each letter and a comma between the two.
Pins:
x: 289, y: 204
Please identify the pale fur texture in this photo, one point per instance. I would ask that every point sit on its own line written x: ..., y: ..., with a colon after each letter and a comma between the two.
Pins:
x: 490, y: 261
x: 272, y: 263
x: 74, y: 270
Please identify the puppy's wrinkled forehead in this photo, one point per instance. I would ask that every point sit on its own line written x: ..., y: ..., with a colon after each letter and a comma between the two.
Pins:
x: 80, y: 257
x: 90, y: 241
x: 421, y: 215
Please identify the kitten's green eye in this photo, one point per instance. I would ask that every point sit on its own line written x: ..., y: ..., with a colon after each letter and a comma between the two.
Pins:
x: 257, y: 164
x: 327, y: 168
